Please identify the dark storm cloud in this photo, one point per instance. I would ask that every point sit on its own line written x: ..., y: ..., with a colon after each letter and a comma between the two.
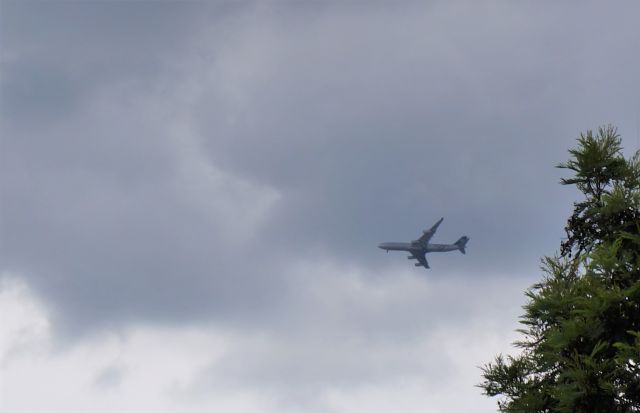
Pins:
x: 99, y: 211
x: 168, y: 161
x: 373, y: 127
x: 55, y: 53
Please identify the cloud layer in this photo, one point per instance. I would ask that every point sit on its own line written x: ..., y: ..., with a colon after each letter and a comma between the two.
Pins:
x: 339, y: 365
x: 211, y: 180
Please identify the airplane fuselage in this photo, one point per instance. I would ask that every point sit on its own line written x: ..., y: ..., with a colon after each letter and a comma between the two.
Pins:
x: 416, y: 247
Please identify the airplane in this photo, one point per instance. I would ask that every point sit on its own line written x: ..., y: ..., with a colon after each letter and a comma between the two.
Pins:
x: 418, y: 248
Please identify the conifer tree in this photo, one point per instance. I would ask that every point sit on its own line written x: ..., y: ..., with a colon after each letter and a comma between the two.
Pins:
x: 580, y: 350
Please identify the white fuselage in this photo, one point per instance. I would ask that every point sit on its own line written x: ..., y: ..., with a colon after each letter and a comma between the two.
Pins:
x: 417, y: 247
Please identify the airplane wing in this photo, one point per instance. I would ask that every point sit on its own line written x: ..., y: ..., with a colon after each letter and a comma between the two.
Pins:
x: 421, y: 260
x: 427, y: 234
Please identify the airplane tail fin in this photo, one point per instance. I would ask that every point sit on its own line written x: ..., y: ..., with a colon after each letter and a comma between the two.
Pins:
x: 462, y: 243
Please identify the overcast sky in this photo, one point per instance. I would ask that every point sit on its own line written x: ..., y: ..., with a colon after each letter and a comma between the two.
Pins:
x: 192, y: 194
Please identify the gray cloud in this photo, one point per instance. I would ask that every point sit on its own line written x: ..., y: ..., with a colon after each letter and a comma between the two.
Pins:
x: 357, y: 333
x: 232, y: 166
x: 56, y: 53
x: 110, y: 377
x: 188, y: 163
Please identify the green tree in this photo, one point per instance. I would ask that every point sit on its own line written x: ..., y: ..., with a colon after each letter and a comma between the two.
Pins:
x: 580, y: 350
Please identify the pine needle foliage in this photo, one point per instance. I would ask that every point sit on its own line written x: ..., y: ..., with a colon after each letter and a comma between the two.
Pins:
x: 580, y: 351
